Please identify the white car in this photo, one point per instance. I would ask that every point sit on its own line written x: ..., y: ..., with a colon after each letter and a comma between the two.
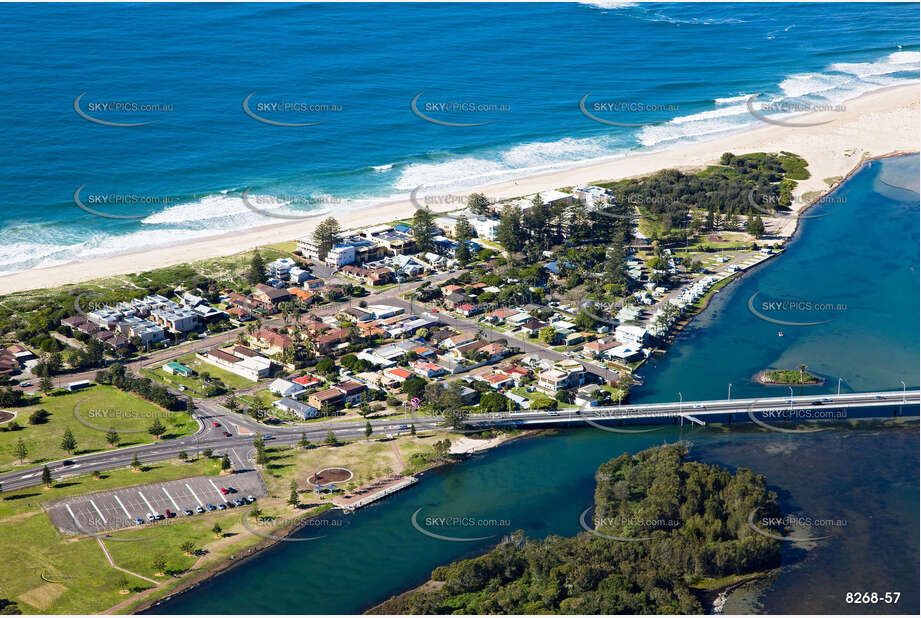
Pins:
x: 150, y: 517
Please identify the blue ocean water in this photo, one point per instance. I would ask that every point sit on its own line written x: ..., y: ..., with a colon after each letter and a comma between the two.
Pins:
x: 524, y: 68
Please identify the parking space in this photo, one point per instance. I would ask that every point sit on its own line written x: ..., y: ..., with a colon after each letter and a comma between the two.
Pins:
x: 121, y: 508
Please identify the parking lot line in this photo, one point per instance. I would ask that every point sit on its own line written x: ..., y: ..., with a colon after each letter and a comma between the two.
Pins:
x: 79, y: 527
x: 127, y: 514
x: 100, y: 512
x: 220, y: 496
x: 171, y: 500
x: 194, y: 495
x: 143, y: 497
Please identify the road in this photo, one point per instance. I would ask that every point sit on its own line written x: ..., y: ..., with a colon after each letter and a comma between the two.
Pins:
x: 240, y: 447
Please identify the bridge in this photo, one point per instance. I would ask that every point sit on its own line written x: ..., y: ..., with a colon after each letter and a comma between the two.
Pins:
x: 653, y: 413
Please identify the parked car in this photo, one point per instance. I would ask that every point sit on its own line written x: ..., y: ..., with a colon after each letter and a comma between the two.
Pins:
x: 139, y: 521
x: 169, y: 513
x: 150, y: 517
x: 158, y: 515
x: 238, y: 502
x: 198, y: 509
x: 227, y: 434
x: 210, y: 506
x: 221, y: 506
x: 24, y: 384
x: 187, y: 511
x: 224, y: 491
x: 250, y: 499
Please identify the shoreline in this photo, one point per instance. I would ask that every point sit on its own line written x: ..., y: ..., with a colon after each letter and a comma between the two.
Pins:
x: 881, y: 121
x: 249, y: 553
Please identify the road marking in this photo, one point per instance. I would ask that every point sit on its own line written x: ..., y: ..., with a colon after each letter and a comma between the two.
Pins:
x: 127, y: 514
x: 194, y: 495
x: 100, y: 512
x: 220, y: 496
x: 171, y: 499
x: 143, y: 497
x: 240, y: 459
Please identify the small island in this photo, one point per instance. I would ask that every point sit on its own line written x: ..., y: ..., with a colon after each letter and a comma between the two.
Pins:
x: 667, y: 536
x: 789, y: 377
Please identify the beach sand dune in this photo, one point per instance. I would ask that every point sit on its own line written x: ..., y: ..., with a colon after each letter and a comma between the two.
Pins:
x: 878, y: 123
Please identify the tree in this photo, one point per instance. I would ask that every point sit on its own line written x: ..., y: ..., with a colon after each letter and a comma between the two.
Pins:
x: 755, y: 226
x: 45, y: 385
x: 256, y: 272
x: 39, y: 417
x: 156, y: 428
x: 136, y: 463
x: 585, y: 321
x: 424, y: 230
x: 478, y: 204
x: 46, y: 476
x: 122, y: 582
x: 260, y: 456
x: 232, y: 404
x: 159, y: 565
x: 455, y: 418
x: 509, y: 232
x: 331, y: 438
x: 368, y: 429
x: 183, y: 456
x: 207, y: 453
x: 462, y: 253
x: 112, y: 437
x: 412, y: 429
x: 217, y: 530
x: 442, y: 448
x: 304, y: 442
x: 188, y: 548
x: 68, y: 442
x: 463, y: 230
x: 324, y: 236
x: 547, y: 334
x: 225, y: 462
x: 21, y: 450
x: 293, y: 498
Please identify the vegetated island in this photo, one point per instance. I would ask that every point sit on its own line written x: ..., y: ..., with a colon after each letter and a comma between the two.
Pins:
x: 684, y: 535
x: 792, y: 377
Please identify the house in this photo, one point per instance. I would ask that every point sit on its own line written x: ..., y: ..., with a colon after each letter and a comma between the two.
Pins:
x: 297, y: 408
x: 331, y: 397
x: 499, y: 316
x: 458, y: 340
x: 499, y: 381
x: 587, y: 395
x: 629, y: 334
x: 327, y: 341
x: 175, y: 368
x: 302, y: 295
x: 352, y: 391
x: 8, y: 363
x: 274, y: 341
x: 20, y: 352
x: 250, y: 305
x: 451, y: 289
x: 598, y: 347
x: 270, y: 296
x: 251, y: 368
x: 468, y: 309
x: 427, y: 369
x: 516, y: 373
x: 286, y: 388
x: 308, y: 381
x: 453, y: 299
x: 564, y: 374
x: 523, y: 402
x: 494, y: 351
x: 532, y: 327
x: 624, y: 353
x: 396, y: 374
x: 574, y: 338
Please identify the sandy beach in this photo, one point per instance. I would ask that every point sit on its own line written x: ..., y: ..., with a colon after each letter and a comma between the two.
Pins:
x: 875, y: 124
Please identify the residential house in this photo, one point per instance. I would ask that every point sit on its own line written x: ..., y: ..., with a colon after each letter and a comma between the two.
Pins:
x: 459, y: 339
x: 176, y: 368
x: 352, y: 391
x: 564, y: 374
x: 532, y: 327
x: 427, y: 369
x: 327, y: 341
x: 331, y: 397
x: 308, y: 381
x: 274, y: 342
x: 396, y: 374
x: 286, y: 388
x: 297, y: 408
x: 630, y: 334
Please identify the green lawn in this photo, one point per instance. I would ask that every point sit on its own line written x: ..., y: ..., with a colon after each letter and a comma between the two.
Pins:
x: 192, y: 384
x: 106, y: 407
x: 230, y: 379
x: 77, y: 577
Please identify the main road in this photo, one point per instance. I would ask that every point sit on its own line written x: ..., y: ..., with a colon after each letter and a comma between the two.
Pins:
x: 240, y: 447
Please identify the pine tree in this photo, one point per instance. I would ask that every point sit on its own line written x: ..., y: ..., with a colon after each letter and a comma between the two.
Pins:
x: 331, y: 438
x: 21, y: 450
x: 368, y: 429
x: 225, y: 462
x: 256, y: 272
x: 424, y: 230
x: 46, y: 476
x: 324, y: 236
x: 68, y: 442
x: 136, y: 463
x: 156, y: 428
x: 112, y: 437
x: 304, y: 442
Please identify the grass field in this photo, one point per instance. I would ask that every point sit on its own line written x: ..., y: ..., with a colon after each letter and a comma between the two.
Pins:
x: 105, y: 407
x: 59, y: 575
x: 230, y: 379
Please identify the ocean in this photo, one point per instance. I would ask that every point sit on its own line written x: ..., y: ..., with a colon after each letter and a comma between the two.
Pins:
x: 214, y: 89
